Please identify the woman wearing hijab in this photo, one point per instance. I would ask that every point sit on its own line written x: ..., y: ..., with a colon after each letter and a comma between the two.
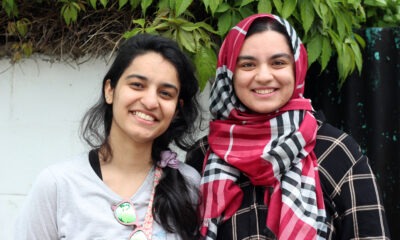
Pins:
x: 271, y: 167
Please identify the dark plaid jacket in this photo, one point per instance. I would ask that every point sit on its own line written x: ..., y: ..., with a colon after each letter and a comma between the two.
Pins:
x: 352, y: 200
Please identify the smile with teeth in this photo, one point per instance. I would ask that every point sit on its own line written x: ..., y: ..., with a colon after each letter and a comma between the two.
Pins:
x: 143, y: 116
x: 264, y: 91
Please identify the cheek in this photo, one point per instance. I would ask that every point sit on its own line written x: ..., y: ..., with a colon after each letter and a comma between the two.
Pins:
x: 170, y: 110
x: 287, y: 80
x: 239, y: 84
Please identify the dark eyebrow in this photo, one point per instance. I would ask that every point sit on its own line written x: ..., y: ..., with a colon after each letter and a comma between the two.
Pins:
x: 141, y: 77
x: 278, y: 55
x: 284, y: 55
x: 144, y: 78
x: 245, y: 58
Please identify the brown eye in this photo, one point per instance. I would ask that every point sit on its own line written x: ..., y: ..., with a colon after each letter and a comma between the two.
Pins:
x: 166, y: 94
x: 279, y: 63
x: 136, y: 85
x: 246, y: 65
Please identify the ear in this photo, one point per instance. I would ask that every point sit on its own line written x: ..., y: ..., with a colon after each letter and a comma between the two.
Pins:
x: 108, y: 92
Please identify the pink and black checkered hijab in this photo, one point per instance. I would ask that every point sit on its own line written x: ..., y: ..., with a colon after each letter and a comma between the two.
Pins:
x: 273, y: 150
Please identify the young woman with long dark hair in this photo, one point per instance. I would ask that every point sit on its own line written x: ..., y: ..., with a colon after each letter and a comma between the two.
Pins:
x: 130, y: 185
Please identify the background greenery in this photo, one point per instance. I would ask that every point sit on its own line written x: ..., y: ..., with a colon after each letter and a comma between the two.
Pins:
x: 72, y: 29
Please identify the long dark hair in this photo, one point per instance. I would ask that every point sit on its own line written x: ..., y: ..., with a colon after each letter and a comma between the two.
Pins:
x: 173, y: 205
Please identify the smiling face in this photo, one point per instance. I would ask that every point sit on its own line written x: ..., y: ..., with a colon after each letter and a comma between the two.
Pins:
x: 264, y: 74
x: 144, y: 100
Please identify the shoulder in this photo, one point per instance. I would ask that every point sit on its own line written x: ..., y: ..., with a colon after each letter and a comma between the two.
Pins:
x: 335, y: 144
x: 73, y: 164
x: 50, y: 181
x: 66, y: 169
x: 190, y: 173
x: 338, y: 154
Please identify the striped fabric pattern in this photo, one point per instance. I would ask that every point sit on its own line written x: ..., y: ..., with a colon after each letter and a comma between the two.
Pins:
x: 272, y: 150
x: 353, y: 202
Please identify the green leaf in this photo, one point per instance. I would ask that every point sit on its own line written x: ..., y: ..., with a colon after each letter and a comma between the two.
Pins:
x: 278, y: 6
x: 245, y: 2
x: 171, y: 4
x: 144, y: 5
x: 357, y: 54
x: 27, y: 49
x: 162, y: 26
x: 181, y: 6
x: 376, y: 3
x: 186, y: 40
x: 207, y: 4
x: 314, y: 48
x: 75, y: 5
x: 205, y: 61
x: 214, y: 5
x: 360, y: 40
x: 10, y: 7
x: 131, y: 33
x: 189, y: 27
x: 326, y: 53
x: 223, y: 7
x: 335, y: 39
x: 288, y: 7
x: 93, y: 3
x: 307, y: 14
x: 134, y: 3
x: 340, y: 27
x: 224, y: 23
x: 264, y: 6
x: 122, y: 3
x: 324, y: 9
x: 104, y: 3
x: 198, y: 39
x: 344, y: 61
x: 235, y: 18
x: 245, y: 11
x: 206, y: 26
x: 151, y: 30
x: 69, y: 13
x: 140, y: 22
x: 22, y: 27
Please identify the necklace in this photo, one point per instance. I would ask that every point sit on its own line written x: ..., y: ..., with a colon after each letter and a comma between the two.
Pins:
x: 147, y: 226
x: 124, y: 213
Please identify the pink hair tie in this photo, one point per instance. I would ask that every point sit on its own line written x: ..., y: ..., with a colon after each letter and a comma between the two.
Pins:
x: 168, y: 158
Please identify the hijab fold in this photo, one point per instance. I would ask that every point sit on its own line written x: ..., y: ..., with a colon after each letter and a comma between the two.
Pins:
x: 273, y: 150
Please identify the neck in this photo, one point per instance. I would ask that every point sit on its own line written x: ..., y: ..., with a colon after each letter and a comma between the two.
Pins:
x: 125, y: 170
x: 129, y: 156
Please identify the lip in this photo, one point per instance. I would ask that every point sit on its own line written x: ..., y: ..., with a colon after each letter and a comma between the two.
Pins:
x: 144, y: 116
x: 264, y: 91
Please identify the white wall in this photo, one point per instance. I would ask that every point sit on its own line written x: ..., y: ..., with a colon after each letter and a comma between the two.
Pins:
x: 41, y: 105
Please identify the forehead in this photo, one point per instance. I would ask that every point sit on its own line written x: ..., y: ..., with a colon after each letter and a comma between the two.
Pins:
x: 154, y: 67
x: 266, y: 42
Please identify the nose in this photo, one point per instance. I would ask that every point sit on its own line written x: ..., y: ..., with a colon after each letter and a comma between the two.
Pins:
x: 264, y: 73
x: 149, y: 99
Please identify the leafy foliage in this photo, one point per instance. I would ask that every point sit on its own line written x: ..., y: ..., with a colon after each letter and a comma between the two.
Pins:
x: 75, y: 28
x: 382, y: 13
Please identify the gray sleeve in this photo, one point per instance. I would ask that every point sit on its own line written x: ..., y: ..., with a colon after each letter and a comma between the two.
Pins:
x: 38, y: 216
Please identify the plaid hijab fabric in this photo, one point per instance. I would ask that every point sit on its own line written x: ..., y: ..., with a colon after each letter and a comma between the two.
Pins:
x: 273, y: 150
